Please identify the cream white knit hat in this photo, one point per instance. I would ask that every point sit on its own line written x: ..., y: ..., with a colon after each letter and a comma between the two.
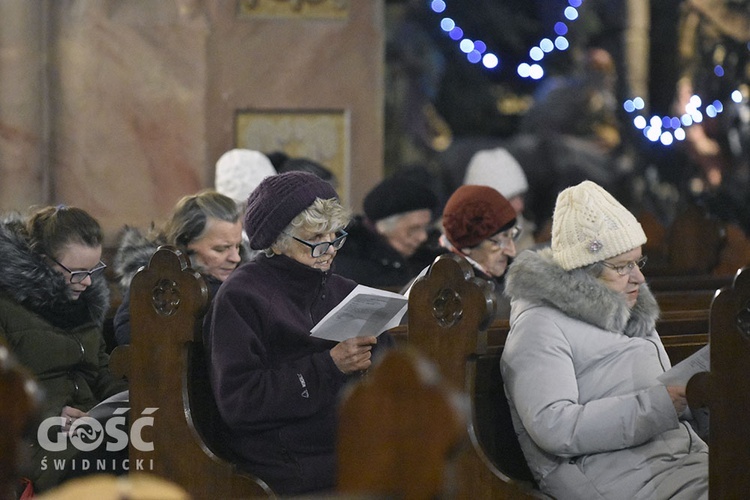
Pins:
x: 239, y: 171
x: 497, y: 169
x: 589, y: 225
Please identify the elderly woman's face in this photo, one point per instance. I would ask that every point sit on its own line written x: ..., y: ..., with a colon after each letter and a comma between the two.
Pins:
x: 409, y: 232
x: 629, y: 283
x: 217, y: 252
x: 303, y: 254
x: 494, y: 253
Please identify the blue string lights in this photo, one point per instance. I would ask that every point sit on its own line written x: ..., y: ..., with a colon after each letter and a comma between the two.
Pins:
x: 662, y: 129
x: 475, y: 50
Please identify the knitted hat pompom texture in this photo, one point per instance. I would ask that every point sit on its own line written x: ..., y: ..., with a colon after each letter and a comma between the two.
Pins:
x: 589, y: 225
x: 239, y: 171
x: 475, y: 213
x: 277, y: 200
x: 498, y: 169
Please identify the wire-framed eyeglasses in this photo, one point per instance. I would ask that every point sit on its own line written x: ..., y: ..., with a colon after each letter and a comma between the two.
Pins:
x: 318, y: 249
x: 79, y: 276
x: 502, y: 240
x: 628, y: 267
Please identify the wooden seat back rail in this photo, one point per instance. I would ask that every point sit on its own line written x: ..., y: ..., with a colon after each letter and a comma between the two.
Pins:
x: 725, y: 390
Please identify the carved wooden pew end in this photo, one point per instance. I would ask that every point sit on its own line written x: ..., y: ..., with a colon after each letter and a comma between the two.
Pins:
x: 450, y: 311
x: 725, y: 389
x: 168, y: 376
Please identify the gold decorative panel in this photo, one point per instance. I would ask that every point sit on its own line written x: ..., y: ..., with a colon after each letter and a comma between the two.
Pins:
x: 322, y: 136
x: 312, y: 9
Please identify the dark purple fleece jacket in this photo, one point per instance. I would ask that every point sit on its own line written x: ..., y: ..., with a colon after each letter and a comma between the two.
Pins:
x: 275, y: 385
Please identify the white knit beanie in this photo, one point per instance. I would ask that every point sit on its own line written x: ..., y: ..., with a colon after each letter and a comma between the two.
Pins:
x: 589, y: 225
x: 239, y: 171
x: 497, y: 169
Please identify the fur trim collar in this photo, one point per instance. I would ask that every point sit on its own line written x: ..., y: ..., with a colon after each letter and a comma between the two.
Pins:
x: 535, y: 279
x: 135, y: 251
x: 30, y: 281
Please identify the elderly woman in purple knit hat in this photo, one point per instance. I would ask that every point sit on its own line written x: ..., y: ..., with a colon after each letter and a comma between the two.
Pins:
x: 276, y: 386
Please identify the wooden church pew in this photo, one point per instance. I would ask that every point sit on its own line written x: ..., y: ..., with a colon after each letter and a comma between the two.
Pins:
x: 400, y: 430
x: 167, y: 371
x: 725, y: 389
x: 450, y: 312
x: 20, y: 397
x: 166, y: 368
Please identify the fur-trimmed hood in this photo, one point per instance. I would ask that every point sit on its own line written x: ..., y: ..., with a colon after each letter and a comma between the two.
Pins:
x: 535, y: 279
x: 30, y: 281
x: 136, y: 249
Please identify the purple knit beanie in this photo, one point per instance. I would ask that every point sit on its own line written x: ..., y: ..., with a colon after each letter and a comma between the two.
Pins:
x: 277, y: 200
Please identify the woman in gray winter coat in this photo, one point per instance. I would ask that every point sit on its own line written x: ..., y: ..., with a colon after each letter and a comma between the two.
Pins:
x: 582, y: 359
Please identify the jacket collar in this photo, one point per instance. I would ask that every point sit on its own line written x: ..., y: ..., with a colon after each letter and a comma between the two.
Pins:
x: 535, y: 279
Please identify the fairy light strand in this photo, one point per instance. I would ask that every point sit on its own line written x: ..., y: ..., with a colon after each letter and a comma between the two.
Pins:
x: 663, y: 129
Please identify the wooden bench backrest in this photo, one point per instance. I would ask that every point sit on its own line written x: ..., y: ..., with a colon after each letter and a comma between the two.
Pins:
x: 726, y: 390
x: 450, y: 311
x: 168, y: 373
x: 20, y: 397
x: 399, y: 431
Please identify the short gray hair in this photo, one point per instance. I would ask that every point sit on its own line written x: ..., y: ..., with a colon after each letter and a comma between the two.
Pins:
x: 323, y: 216
x: 192, y: 213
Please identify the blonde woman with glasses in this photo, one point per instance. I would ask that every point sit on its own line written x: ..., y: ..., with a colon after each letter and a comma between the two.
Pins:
x: 53, y: 300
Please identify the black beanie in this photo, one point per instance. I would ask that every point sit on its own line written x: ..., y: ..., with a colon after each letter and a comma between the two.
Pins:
x: 397, y: 195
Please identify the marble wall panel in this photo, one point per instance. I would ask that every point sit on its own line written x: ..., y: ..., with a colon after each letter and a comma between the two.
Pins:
x: 123, y: 107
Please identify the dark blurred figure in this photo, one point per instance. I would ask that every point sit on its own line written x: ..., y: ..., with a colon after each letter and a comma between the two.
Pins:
x: 382, y: 242
x: 308, y: 165
x: 583, y: 104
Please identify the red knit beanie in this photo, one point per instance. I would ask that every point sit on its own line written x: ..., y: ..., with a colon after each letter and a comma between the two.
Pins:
x: 474, y: 213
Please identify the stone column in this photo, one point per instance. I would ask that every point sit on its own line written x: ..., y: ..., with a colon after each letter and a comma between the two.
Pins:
x: 24, y: 178
x: 636, y: 47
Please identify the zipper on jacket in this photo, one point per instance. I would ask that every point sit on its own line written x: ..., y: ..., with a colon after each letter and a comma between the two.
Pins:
x: 658, y: 354
x: 321, y: 295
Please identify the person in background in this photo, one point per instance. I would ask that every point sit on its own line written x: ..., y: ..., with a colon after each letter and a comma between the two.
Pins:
x: 480, y: 225
x: 276, y: 386
x: 206, y: 226
x: 53, y: 300
x: 498, y: 169
x: 398, y: 213
x: 239, y: 171
x: 308, y: 165
x: 582, y: 361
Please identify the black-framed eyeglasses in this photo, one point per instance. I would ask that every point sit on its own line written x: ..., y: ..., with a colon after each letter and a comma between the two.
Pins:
x: 79, y: 276
x: 318, y: 249
x: 627, y: 268
x: 503, y: 239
